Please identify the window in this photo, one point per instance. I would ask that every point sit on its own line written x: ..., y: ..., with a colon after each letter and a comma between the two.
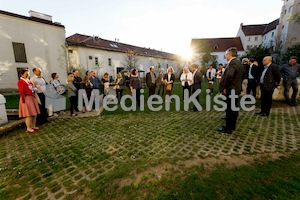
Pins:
x: 282, y: 26
x: 167, y: 65
x: 96, y: 61
x: 109, y: 62
x: 19, y: 51
x: 272, y: 34
x: 285, y: 12
x: 290, y: 9
x: 249, y: 39
x: 248, y: 47
x: 70, y: 50
x: 113, y: 45
x: 265, y: 37
x: 256, y: 38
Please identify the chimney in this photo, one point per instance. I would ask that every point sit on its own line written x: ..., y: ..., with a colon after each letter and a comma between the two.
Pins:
x: 34, y: 14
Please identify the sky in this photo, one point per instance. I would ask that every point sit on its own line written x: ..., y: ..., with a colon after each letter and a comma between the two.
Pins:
x: 167, y: 25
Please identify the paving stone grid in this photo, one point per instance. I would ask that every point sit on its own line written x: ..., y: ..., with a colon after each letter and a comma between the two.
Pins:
x: 67, y: 153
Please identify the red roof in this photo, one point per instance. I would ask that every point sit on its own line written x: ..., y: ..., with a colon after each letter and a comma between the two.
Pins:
x: 35, y: 19
x: 216, y: 44
x: 99, y: 43
x: 259, y: 29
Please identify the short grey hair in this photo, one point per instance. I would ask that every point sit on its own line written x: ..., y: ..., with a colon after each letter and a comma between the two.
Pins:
x: 233, y: 51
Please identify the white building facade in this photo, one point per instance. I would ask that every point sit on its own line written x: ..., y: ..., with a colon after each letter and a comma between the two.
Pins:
x: 289, y: 29
x: 28, y: 42
x: 104, y: 56
x: 259, y: 34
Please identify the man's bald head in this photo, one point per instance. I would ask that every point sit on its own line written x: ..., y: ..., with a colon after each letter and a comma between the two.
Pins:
x: 267, y: 60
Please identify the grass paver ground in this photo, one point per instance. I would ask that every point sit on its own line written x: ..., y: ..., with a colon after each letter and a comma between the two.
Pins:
x: 154, y: 155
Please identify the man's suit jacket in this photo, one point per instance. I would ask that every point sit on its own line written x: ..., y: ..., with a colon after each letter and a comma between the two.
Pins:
x: 272, y: 77
x: 159, y: 79
x: 149, y: 80
x: 255, y: 72
x: 197, y: 80
x: 232, y: 77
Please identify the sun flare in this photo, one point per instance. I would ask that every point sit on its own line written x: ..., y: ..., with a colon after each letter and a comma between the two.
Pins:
x: 187, y: 54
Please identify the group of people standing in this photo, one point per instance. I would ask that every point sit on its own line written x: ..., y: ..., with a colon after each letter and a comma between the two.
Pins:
x: 267, y: 77
x: 32, y: 91
x: 288, y: 72
x: 163, y: 81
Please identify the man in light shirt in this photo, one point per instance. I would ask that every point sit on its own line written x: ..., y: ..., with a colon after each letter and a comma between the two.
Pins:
x: 39, y: 84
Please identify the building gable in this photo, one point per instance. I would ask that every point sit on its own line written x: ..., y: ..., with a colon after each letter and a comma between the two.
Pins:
x: 216, y: 44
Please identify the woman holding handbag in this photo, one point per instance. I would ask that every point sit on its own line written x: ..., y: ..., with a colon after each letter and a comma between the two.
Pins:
x: 119, y: 86
x: 169, y: 79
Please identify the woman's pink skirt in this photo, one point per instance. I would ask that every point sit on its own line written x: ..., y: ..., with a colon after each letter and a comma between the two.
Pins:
x: 29, y: 108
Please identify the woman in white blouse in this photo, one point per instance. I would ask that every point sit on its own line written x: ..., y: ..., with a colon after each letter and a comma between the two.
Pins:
x: 186, y: 81
x: 211, y: 75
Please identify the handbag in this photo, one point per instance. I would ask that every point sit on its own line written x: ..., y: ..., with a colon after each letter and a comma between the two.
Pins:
x: 169, y: 87
x: 37, y: 98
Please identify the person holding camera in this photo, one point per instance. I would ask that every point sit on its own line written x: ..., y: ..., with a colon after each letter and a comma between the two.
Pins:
x: 211, y: 75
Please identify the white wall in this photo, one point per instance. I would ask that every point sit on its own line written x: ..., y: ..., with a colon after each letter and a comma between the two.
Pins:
x: 284, y: 23
x: 242, y: 36
x: 42, y: 45
x: 220, y: 56
x: 269, y: 39
x: 250, y: 41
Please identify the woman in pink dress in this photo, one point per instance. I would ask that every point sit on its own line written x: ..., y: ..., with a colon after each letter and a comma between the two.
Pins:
x: 28, y: 106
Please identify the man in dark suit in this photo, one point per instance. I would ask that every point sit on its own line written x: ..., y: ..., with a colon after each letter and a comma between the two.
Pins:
x: 231, y: 82
x: 197, y: 80
x: 252, y: 72
x: 151, y: 81
x: 269, y: 80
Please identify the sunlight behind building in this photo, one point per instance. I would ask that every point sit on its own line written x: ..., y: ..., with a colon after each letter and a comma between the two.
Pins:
x: 187, y: 53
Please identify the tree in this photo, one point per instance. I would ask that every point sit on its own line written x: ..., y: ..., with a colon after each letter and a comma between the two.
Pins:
x: 208, y: 59
x: 293, y: 50
x: 130, y: 60
x: 81, y: 69
x: 258, y: 53
x: 64, y: 59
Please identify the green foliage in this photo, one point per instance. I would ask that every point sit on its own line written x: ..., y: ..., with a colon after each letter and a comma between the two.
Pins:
x: 63, y: 58
x: 81, y: 69
x: 293, y: 50
x: 258, y: 53
x: 130, y: 60
x: 208, y: 59
x: 295, y: 17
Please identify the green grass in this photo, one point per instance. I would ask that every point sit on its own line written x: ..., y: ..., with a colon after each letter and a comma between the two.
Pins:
x: 270, y: 180
x: 154, y: 155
